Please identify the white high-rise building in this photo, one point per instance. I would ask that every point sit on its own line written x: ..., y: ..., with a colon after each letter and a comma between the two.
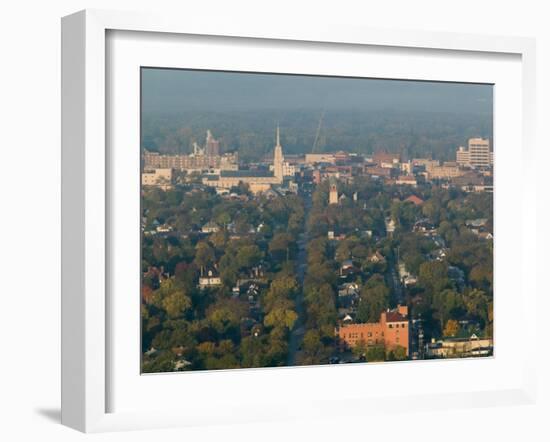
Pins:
x: 480, y: 155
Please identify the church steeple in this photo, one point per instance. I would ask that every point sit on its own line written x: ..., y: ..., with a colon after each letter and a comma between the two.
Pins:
x: 278, y: 158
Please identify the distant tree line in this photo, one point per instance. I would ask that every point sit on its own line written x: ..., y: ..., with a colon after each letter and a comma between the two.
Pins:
x: 252, y: 134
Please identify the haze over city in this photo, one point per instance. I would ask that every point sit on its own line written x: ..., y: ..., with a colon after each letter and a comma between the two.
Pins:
x: 176, y: 90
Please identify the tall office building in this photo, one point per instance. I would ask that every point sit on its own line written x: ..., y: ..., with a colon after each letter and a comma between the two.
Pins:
x: 212, y: 146
x: 480, y: 155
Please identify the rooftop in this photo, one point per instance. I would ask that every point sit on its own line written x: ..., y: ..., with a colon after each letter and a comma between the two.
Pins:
x: 414, y: 199
x: 395, y: 316
x: 245, y: 173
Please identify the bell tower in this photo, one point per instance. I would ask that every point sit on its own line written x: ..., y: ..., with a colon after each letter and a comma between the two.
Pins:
x: 333, y: 193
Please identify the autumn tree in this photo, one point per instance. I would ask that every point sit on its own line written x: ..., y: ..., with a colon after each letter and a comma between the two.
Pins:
x: 451, y: 328
x: 172, y: 298
x: 281, y: 317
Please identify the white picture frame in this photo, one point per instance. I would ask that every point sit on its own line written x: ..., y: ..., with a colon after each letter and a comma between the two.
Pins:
x: 85, y: 202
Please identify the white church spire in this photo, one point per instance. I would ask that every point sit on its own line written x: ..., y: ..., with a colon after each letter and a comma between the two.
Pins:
x: 278, y: 158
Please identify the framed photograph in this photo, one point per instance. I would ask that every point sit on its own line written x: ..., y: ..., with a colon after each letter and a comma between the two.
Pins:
x: 270, y: 222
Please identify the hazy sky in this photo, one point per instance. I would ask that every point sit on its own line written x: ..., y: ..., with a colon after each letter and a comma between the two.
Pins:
x: 174, y: 90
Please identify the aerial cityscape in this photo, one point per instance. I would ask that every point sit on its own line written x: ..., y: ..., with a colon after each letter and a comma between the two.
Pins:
x: 368, y: 239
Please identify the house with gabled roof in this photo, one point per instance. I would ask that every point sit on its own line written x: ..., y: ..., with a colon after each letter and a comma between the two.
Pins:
x: 417, y: 201
x: 211, y: 278
x: 376, y: 258
x: 210, y: 227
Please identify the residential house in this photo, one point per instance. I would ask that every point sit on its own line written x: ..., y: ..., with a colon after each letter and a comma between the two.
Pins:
x: 376, y: 258
x: 210, y: 279
x: 417, y: 201
x: 210, y: 227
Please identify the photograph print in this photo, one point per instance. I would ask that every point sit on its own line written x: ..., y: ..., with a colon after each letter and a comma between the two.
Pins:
x: 299, y: 220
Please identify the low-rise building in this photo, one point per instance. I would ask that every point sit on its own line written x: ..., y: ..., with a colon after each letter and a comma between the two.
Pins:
x: 257, y: 180
x: 316, y: 158
x: 446, y: 171
x: 459, y: 347
x: 377, y: 171
x: 407, y: 180
x: 463, y: 156
x: 425, y: 162
x: 386, y: 160
x: 161, y: 178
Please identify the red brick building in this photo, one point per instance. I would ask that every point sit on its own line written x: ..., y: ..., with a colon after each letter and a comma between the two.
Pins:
x: 391, y: 331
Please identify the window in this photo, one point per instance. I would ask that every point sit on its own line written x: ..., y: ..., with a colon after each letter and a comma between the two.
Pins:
x: 390, y: 326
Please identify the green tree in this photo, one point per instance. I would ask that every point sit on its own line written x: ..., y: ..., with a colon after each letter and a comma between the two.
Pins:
x: 374, y: 298
x: 448, y: 304
x: 171, y: 297
x: 248, y: 256
x: 477, y: 303
x: 314, y: 350
x: 433, y: 276
x: 281, y: 317
x: 280, y: 245
x: 376, y: 354
x: 204, y: 255
x: 176, y: 304
x: 398, y: 353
